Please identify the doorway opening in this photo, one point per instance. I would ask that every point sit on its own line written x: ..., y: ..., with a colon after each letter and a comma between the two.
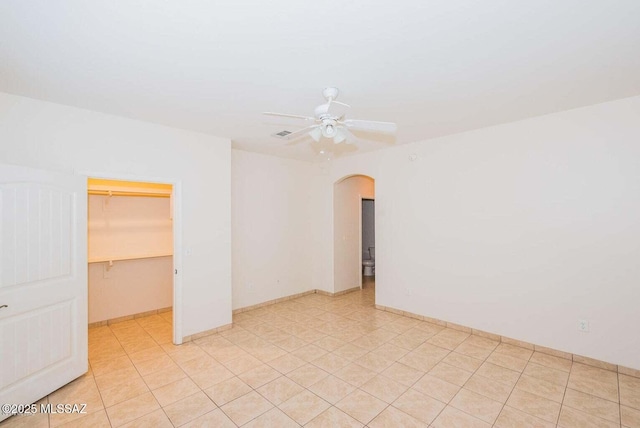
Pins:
x: 131, y: 268
x: 349, y: 194
x: 368, y: 242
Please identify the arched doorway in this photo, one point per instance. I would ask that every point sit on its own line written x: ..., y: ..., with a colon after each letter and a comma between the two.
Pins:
x: 348, y: 249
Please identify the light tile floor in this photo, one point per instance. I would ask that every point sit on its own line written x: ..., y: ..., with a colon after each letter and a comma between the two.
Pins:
x: 322, y: 361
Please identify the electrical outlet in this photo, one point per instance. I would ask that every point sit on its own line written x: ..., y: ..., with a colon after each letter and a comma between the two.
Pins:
x: 583, y: 326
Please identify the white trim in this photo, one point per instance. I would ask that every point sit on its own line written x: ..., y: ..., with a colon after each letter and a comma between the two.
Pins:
x: 177, y: 237
x: 177, y: 262
x: 360, y: 238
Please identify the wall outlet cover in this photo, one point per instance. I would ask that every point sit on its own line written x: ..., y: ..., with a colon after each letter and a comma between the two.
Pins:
x: 583, y: 326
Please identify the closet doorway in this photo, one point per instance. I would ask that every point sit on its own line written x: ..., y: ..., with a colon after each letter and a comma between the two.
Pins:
x: 131, y: 240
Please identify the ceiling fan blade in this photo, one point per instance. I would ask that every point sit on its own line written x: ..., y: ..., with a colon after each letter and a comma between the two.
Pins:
x: 371, y: 125
x: 337, y: 109
x: 290, y: 116
x: 301, y: 132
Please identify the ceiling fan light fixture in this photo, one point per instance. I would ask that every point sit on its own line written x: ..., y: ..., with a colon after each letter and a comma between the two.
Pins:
x: 340, y: 137
x: 329, y: 130
x: 316, y: 133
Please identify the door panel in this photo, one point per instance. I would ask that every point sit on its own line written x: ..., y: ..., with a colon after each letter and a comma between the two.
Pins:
x: 48, y: 325
x: 36, y: 233
x: 43, y: 282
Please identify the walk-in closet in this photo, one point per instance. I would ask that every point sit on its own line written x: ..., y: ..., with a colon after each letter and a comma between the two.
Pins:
x: 130, y: 254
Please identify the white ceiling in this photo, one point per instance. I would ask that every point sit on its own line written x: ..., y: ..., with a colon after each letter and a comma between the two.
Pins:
x: 434, y: 67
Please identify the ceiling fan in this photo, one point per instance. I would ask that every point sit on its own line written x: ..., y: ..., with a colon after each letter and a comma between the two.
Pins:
x: 329, y: 122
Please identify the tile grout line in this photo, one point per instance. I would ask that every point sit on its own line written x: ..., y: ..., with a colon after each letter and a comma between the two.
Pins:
x: 564, y: 394
x: 140, y: 374
x: 619, y: 399
x: 462, y: 387
x: 357, y: 388
x: 416, y: 381
x: 377, y: 374
x: 281, y: 375
x: 514, y: 385
x: 100, y: 393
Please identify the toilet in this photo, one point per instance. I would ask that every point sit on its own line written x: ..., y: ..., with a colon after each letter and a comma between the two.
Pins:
x: 369, y: 265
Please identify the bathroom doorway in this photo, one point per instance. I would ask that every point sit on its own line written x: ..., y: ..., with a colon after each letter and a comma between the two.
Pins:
x: 368, y: 242
x: 348, y: 195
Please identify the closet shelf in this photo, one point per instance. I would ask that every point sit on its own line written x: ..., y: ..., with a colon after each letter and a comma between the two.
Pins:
x: 133, y: 257
x: 147, y: 194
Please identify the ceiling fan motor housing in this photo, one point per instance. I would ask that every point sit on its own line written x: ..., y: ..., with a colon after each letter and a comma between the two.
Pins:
x: 330, y: 93
x: 321, y: 110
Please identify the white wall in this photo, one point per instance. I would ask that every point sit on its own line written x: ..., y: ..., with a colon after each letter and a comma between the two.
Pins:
x: 129, y: 287
x: 519, y: 229
x: 51, y: 136
x: 129, y: 226
x: 272, y: 222
x: 347, y: 257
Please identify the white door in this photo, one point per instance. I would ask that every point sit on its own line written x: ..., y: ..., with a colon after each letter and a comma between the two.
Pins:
x: 43, y: 282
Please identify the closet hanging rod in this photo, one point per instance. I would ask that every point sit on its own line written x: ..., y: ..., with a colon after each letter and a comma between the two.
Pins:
x: 125, y: 193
